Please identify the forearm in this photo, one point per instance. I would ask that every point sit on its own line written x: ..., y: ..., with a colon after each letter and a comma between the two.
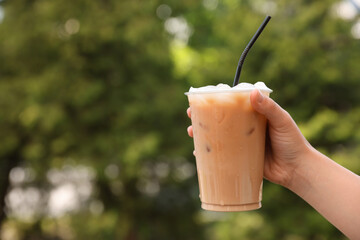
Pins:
x: 331, y: 189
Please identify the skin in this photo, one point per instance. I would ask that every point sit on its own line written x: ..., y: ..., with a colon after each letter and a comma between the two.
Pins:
x: 293, y: 163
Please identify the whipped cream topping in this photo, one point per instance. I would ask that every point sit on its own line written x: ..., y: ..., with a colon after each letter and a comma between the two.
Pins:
x: 241, y: 87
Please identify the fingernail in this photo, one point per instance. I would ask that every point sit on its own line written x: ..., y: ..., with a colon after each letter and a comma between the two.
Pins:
x: 260, y: 97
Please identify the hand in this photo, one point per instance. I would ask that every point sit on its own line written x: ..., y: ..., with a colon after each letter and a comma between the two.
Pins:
x: 285, y: 145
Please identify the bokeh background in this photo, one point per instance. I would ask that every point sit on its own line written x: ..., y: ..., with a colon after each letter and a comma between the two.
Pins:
x: 93, y: 141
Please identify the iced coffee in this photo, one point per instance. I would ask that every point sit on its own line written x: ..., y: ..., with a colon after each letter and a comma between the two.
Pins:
x: 229, y: 139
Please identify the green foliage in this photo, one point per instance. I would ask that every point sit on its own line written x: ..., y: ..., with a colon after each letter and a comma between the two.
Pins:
x: 100, y: 84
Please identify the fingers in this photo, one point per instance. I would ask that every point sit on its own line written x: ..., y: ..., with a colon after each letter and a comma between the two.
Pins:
x: 190, y: 131
x: 276, y: 116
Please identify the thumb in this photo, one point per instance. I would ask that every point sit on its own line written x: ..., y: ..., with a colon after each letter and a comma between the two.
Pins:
x: 276, y: 116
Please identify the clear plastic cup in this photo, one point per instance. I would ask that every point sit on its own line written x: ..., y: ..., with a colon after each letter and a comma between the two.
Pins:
x: 229, y: 140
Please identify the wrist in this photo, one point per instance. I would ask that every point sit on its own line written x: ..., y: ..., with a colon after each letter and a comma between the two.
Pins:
x: 304, y: 173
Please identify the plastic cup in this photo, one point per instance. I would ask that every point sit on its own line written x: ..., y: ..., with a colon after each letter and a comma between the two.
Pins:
x: 229, y: 140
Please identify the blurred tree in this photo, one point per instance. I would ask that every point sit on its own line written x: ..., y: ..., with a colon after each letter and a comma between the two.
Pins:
x: 91, y: 84
x: 100, y: 84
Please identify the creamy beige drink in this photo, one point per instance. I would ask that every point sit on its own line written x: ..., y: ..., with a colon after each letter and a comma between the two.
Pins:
x: 229, y: 139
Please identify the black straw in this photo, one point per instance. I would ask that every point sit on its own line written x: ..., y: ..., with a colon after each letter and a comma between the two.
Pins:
x: 246, y: 50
